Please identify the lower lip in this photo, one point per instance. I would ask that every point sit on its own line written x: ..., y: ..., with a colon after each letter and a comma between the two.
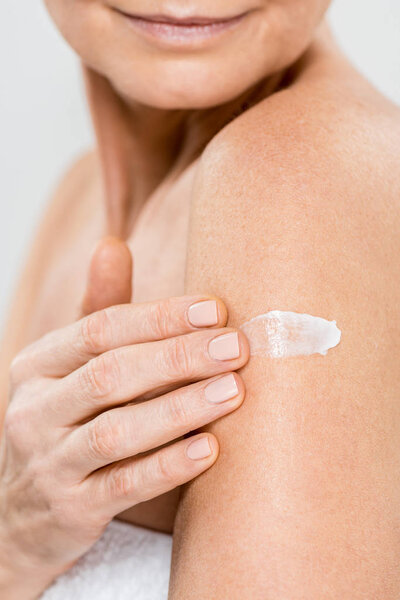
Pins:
x: 182, y: 34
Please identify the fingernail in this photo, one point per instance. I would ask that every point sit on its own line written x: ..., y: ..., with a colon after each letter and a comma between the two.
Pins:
x: 203, y: 314
x: 199, y: 449
x: 225, y: 347
x: 222, y: 389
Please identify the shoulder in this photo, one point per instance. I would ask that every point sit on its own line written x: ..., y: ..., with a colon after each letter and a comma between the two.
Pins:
x: 330, y: 127
x: 71, y: 199
x: 65, y: 217
x: 296, y: 208
x: 299, y: 199
x: 67, y: 211
x: 64, y: 221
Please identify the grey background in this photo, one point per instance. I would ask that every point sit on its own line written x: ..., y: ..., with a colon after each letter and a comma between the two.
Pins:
x: 43, y: 120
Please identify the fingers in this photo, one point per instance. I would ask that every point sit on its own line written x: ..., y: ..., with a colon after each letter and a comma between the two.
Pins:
x: 120, y: 486
x: 110, y: 276
x: 126, y: 373
x: 62, y: 351
x: 131, y: 430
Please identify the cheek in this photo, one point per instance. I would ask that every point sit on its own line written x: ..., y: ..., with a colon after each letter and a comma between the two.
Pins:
x: 81, y: 23
x: 287, y: 29
x: 301, y: 16
x: 275, y: 39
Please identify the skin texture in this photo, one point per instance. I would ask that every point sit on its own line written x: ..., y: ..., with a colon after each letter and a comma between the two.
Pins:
x: 304, y: 500
x: 274, y: 34
x: 283, y: 196
x: 101, y: 433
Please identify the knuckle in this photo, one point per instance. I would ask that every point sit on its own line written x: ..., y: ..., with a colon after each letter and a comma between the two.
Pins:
x: 160, y: 317
x: 101, y: 374
x: 164, y: 471
x: 15, y: 370
x: 103, y: 436
x: 177, y: 357
x: 94, y: 331
x: 21, y: 365
x: 17, y: 422
x: 176, y: 412
x: 121, y: 481
x: 11, y: 421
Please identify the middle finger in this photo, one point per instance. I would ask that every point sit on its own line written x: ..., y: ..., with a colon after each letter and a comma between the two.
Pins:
x: 121, y: 375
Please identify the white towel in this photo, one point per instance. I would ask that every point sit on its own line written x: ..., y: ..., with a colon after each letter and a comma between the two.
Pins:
x: 127, y: 563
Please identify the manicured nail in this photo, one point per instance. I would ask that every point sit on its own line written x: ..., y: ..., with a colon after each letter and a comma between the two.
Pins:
x: 199, y: 449
x: 203, y: 314
x: 225, y: 347
x: 222, y: 389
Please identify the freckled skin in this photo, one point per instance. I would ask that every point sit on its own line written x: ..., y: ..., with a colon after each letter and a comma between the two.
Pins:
x: 287, y: 198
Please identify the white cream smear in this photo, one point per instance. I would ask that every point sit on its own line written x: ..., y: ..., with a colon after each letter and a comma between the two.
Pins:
x: 280, y: 334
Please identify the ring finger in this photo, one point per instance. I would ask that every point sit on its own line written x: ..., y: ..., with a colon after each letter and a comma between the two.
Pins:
x: 127, y: 431
x: 121, y: 375
x: 118, y: 487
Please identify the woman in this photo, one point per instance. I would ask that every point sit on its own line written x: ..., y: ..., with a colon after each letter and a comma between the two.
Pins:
x: 247, y: 167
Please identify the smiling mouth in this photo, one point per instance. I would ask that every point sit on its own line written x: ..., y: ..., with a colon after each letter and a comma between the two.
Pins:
x: 177, y: 31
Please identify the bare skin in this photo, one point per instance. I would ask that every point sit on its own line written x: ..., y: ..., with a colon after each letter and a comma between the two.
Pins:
x: 304, y: 501
x: 318, y: 508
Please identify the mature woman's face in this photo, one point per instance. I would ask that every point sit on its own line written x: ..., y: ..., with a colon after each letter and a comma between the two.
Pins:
x: 187, y: 53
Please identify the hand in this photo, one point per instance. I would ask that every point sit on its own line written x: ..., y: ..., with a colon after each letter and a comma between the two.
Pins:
x: 80, y: 444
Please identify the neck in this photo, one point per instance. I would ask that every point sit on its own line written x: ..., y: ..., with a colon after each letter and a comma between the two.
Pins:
x: 141, y: 147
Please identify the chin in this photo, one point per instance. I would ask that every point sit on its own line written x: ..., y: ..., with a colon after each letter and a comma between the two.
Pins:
x: 179, y: 63
x: 190, y: 93
x: 185, y: 85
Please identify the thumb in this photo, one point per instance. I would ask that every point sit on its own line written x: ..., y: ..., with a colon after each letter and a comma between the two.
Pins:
x: 110, y: 276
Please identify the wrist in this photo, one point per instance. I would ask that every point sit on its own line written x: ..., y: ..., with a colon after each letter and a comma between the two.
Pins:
x: 20, y: 580
x: 15, y: 585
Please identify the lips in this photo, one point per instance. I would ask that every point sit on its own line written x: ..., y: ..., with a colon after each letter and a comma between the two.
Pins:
x: 180, y: 31
x: 183, y: 22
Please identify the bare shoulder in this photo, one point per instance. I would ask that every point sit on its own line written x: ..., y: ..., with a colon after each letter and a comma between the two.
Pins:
x: 66, y: 212
x: 70, y: 202
x: 64, y: 220
x: 296, y: 208
x: 330, y: 126
x: 309, y: 178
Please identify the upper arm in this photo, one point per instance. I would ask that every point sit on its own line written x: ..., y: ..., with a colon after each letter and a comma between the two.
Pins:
x: 305, y: 497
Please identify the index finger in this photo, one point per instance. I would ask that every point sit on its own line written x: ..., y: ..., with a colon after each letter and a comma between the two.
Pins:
x: 62, y: 351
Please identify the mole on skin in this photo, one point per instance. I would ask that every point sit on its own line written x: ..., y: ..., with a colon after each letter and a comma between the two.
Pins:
x: 278, y: 334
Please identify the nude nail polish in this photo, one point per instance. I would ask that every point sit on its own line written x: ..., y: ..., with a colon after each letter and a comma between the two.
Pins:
x: 222, y: 389
x: 199, y: 449
x: 225, y: 347
x: 203, y: 314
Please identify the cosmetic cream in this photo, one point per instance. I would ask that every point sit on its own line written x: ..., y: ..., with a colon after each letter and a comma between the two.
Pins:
x: 278, y: 334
